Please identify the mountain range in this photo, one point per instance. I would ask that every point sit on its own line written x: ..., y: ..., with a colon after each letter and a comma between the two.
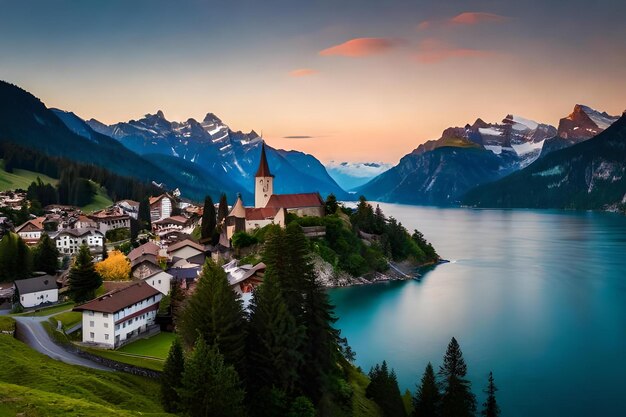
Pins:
x: 442, y: 171
x: 350, y: 175
x: 198, y: 158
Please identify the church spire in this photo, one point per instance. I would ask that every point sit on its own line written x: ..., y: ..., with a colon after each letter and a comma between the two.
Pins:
x: 264, y: 169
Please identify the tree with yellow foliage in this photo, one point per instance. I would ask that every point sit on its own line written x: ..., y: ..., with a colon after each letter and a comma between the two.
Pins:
x: 116, y: 267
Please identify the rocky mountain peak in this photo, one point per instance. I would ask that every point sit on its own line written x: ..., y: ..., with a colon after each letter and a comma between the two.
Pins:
x: 584, y: 123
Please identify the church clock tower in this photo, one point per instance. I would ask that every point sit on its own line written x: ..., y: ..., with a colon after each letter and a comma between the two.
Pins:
x: 263, y: 182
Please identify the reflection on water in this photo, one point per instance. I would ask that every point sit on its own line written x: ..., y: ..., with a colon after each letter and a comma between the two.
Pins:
x: 539, y: 297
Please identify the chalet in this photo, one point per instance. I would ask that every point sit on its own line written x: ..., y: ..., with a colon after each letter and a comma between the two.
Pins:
x: 36, y: 291
x: 69, y: 241
x: 186, y: 249
x: 160, y: 280
x: 31, y: 231
x: 161, y: 207
x: 110, y: 219
x: 119, y: 316
x: 173, y: 224
x: 129, y: 207
x: 144, y: 260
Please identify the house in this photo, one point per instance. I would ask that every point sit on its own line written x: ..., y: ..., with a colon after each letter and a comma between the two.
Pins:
x: 119, y: 316
x: 161, y: 207
x: 245, y: 278
x: 69, y: 241
x: 110, y: 219
x: 129, y: 207
x: 36, y: 291
x: 173, y: 224
x: 160, y: 280
x: 144, y: 260
x: 185, y: 249
x: 84, y: 222
x: 31, y: 230
x: 303, y: 204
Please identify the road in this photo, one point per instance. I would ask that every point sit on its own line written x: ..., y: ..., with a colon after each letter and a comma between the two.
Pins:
x: 31, y: 332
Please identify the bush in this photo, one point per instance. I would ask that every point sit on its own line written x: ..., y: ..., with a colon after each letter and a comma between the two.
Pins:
x: 243, y: 240
x: 115, y: 235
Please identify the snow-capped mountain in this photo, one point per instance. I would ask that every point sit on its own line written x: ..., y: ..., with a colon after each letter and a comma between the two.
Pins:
x: 232, y: 156
x: 350, y: 175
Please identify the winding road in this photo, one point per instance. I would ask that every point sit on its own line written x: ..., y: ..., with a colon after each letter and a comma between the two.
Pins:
x: 31, y: 332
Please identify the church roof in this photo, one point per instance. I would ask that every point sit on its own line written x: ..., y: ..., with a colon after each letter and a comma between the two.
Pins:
x: 238, y: 209
x: 264, y: 169
x: 295, y: 200
x: 261, y: 213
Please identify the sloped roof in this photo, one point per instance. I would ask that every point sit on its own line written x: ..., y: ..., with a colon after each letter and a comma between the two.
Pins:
x: 238, y: 209
x: 174, y: 219
x: 37, y: 222
x: 30, y: 285
x: 264, y: 168
x: 119, y: 299
x: 159, y: 197
x: 261, y: 213
x: 81, y: 232
x: 147, y: 248
x: 182, y: 244
x: 295, y: 200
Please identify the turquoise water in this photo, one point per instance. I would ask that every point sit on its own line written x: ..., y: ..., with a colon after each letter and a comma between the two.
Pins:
x: 537, y: 297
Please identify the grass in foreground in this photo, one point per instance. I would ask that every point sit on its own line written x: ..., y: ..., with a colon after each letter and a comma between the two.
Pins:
x: 36, y: 385
x: 47, y: 311
x: 154, y: 364
x: 7, y: 324
x: 157, y: 346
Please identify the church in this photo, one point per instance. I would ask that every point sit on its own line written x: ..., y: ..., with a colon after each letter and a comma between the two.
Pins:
x: 270, y: 208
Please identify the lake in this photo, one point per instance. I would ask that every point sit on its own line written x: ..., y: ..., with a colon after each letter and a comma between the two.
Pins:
x: 537, y: 297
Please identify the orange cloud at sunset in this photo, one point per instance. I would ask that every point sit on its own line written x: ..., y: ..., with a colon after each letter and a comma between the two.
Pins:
x: 302, y: 72
x: 432, y: 51
x: 473, y: 18
x: 360, y: 47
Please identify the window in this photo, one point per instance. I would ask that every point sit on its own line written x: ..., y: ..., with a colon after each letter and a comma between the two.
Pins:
x: 106, y: 336
x: 105, y: 315
x: 91, y: 324
x: 159, y: 281
x: 91, y: 313
x: 91, y: 335
x: 124, y: 325
x: 106, y: 325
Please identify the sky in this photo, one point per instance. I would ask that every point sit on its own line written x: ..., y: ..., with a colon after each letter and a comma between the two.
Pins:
x: 343, y: 80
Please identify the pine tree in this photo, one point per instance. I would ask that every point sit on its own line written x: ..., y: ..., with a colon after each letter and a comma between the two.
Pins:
x: 208, y: 220
x: 171, y: 378
x: 275, y: 340
x: 457, y: 399
x: 426, y: 402
x: 46, y: 256
x: 383, y: 390
x: 23, y: 259
x: 490, y: 406
x: 143, y: 214
x: 209, y: 386
x: 215, y: 312
x: 331, y: 204
x: 83, y: 278
x: 222, y: 210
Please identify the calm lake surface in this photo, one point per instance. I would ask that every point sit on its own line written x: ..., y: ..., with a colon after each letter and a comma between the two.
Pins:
x: 538, y: 297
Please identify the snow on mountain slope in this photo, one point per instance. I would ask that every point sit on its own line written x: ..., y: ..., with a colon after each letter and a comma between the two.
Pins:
x: 350, y: 175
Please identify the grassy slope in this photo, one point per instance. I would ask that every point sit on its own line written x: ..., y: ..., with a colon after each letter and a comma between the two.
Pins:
x: 49, y: 310
x: 142, y: 362
x: 40, y: 386
x: 68, y: 319
x: 99, y: 201
x: 157, y: 346
x: 20, y: 178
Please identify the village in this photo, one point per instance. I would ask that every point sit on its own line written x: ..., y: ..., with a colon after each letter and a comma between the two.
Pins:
x: 167, y: 258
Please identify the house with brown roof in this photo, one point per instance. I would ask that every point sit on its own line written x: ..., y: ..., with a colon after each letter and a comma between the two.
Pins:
x: 120, y: 316
x: 31, y: 230
x: 111, y: 218
x: 173, y: 224
x: 161, y: 207
x: 185, y: 249
x: 144, y: 260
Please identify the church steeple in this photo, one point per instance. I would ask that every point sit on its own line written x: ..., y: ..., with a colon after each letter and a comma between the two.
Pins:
x: 263, y: 181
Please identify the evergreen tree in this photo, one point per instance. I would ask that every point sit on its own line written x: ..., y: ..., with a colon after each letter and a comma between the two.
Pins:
x: 457, y: 399
x: 143, y: 214
x: 177, y: 299
x: 23, y: 259
x: 383, y: 390
x: 331, y: 204
x: 426, y: 402
x: 46, y: 255
x: 215, y: 312
x: 275, y: 340
x: 301, y: 407
x: 105, y: 252
x: 171, y: 378
x: 83, y: 279
x: 210, y: 387
x: 490, y: 406
x: 15, y: 258
x: 208, y: 220
x: 222, y: 210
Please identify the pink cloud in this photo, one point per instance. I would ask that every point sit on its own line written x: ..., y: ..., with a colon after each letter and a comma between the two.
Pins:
x: 474, y: 18
x: 424, y: 25
x: 360, y: 47
x: 432, y: 51
x: 303, y: 72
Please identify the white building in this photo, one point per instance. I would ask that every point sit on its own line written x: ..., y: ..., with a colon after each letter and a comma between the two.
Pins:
x: 161, y: 281
x: 119, y: 316
x: 160, y: 207
x: 36, y: 291
x: 68, y: 241
x: 31, y: 230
